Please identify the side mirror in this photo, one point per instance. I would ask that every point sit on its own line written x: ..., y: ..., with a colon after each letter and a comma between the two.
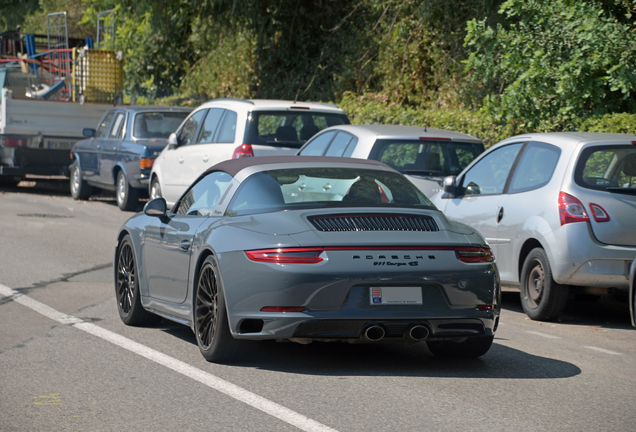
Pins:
x: 172, y: 141
x: 156, y: 207
x: 87, y: 132
x: 450, y: 184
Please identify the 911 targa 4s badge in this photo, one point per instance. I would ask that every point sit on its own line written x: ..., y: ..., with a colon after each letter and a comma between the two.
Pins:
x: 308, y: 249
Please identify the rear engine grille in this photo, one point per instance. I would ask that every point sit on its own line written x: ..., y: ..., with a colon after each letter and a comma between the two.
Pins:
x: 374, y: 223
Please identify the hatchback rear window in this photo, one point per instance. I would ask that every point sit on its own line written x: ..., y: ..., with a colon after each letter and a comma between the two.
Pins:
x: 433, y: 158
x: 288, y: 128
x: 608, y: 168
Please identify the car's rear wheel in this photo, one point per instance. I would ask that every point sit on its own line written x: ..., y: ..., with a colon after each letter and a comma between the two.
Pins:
x: 127, y: 287
x: 472, y: 347
x: 155, y: 189
x: 542, y: 298
x: 210, y: 318
x: 80, y: 189
x: 127, y: 196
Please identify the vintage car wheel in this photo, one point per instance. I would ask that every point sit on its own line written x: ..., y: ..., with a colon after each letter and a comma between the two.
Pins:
x: 470, y: 348
x: 127, y: 196
x: 127, y: 287
x: 541, y: 297
x: 210, y: 318
x: 155, y: 189
x: 80, y: 189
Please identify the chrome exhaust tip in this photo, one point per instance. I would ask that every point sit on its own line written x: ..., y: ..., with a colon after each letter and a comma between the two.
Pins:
x: 418, y: 332
x: 374, y: 333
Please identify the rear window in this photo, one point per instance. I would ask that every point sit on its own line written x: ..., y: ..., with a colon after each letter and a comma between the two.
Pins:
x: 298, y: 188
x: 607, y: 168
x: 157, y: 124
x: 433, y: 158
x: 288, y: 128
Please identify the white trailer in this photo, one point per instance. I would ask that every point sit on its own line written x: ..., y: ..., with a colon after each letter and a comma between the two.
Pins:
x: 36, y: 136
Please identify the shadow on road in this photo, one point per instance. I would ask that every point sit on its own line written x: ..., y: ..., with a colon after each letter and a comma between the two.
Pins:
x: 343, y: 359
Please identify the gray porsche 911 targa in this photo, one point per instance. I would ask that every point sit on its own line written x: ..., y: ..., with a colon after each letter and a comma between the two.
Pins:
x: 308, y: 249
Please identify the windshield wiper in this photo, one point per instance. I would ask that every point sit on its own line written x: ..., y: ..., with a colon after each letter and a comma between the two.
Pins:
x: 627, y: 191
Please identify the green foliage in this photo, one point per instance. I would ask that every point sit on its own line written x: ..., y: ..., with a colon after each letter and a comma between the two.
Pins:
x: 558, y: 62
x: 13, y: 12
x: 35, y: 20
x: 616, y: 123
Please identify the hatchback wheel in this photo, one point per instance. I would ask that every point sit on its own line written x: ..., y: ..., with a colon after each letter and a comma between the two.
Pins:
x: 470, y: 348
x: 127, y: 196
x: 210, y: 318
x: 129, y: 305
x: 155, y: 189
x: 541, y: 297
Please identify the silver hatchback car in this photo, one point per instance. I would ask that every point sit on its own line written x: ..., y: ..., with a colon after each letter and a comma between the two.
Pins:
x: 424, y: 155
x: 558, y: 210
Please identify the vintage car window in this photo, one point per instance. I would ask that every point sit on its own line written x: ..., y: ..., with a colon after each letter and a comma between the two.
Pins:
x: 210, y: 125
x: 488, y: 176
x: 159, y: 125
x: 227, y: 131
x: 104, y: 126
x: 435, y: 158
x: 318, y: 145
x: 190, y: 128
x: 293, y: 127
x: 204, y: 195
x: 299, y: 188
x: 607, y: 168
x: 339, y: 144
x: 535, y: 168
x: 117, y: 125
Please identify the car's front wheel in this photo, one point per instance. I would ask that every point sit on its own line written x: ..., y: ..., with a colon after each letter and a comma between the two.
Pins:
x: 80, y: 189
x: 129, y: 305
x: 155, y: 189
x: 542, y: 298
x: 127, y: 196
x: 210, y: 317
x: 472, y: 347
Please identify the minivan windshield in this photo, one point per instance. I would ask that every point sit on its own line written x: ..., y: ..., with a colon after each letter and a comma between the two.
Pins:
x: 429, y: 158
x: 290, y: 128
x: 297, y: 188
x: 608, y: 168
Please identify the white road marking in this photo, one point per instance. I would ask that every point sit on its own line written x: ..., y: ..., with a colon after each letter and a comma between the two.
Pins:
x: 225, y: 387
x: 604, y: 351
x: 543, y: 335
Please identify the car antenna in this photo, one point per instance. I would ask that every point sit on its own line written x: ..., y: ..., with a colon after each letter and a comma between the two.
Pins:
x: 425, y: 128
x: 298, y: 91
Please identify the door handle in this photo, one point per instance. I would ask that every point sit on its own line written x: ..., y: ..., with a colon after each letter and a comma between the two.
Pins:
x: 500, y: 215
x: 206, y: 158
x: 181, y: 160
x: 99, y: 147
x: 326, y: 187
x: 184, y: 245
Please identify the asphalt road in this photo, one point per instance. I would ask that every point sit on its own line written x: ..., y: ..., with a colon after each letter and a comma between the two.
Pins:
x: 67, y: 362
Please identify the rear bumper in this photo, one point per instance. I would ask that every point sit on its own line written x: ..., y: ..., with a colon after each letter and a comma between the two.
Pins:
x: 578, y: 259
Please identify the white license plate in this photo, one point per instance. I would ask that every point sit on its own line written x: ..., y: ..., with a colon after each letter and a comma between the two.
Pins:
x: 395, y: 295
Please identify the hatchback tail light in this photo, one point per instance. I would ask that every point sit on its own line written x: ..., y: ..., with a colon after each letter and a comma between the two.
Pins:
x: 310, y: 255
x: 242, y: 151
x: 599, y: 213
x: 571, y: 209
x: 474, y: 254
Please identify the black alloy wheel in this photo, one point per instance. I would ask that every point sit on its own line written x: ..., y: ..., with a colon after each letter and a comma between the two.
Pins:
x: 129, y: 305
x: 210, y: 318
x: 542, y: 298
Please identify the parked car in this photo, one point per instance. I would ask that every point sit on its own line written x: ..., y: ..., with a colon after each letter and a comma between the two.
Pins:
x: 558, y: 210
x: 250, y: 251
x: 224, y: 129
x: 424, y: 155
x: 119, y: 155
x: 632, y: 292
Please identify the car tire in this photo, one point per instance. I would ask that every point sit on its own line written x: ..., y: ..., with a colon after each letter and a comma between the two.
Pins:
x: 155, y: 189
x: 542, y: 298
x: 80, y: 189
x: 127, y: 294
x: 472, y: 347
x: 10, y: 181
x: 127, y: 196
x: 211, y: 324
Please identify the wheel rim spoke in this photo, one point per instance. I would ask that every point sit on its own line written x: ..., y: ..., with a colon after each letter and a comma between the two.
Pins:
x: 535, y: 283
